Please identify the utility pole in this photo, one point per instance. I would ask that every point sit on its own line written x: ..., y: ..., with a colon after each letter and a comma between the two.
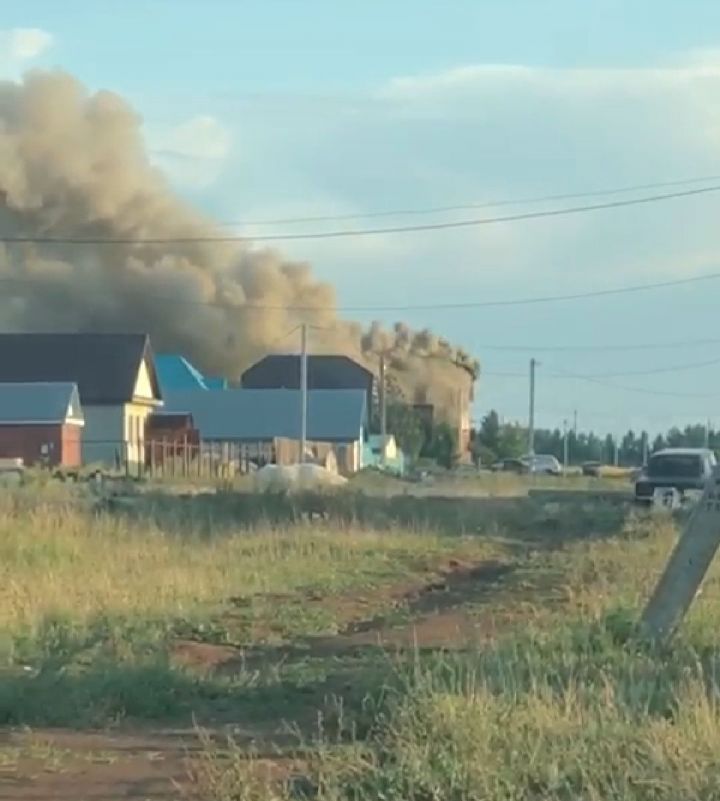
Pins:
x: 383, y: 408
x: 575, y: 423
x: 531, y: 420
x: 565, y: 446
x: 303, y: 391
x: 707, y: 433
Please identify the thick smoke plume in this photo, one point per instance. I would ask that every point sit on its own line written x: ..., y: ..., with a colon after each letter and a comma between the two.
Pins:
x: 73, y: 165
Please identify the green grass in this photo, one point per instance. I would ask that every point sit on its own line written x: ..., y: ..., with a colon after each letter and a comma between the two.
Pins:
x: 565, y: 705
x: 481, y: 484
x: 93, y: 602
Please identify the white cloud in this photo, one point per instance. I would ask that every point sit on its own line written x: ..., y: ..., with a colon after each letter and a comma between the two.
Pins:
x: 19, y: 47
x: 495, y: 132
x: 192, y: 152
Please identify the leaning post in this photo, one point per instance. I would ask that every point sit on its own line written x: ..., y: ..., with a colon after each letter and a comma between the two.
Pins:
x: 687, y: 566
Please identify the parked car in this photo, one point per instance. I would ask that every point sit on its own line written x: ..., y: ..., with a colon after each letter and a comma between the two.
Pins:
x: 511, y: 466
x: 683, y: 469
x: 591, y: 468
x: 544, y: 463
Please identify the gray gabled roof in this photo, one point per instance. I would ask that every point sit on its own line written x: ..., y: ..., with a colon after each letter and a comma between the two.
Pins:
x: 262, y: 414
x: 104, y: 366
x: 39, y: 403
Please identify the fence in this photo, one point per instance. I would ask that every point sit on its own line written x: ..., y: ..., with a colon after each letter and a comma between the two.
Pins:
x: 185, y: 457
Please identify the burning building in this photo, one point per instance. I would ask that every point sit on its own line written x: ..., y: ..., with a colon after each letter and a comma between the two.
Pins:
x: 94, y: 240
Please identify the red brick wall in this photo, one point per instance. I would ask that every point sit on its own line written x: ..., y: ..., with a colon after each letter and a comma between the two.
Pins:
x: 26, y: 443
x: 71, y: 446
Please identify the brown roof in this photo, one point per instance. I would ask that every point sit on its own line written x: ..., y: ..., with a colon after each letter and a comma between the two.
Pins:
x: 104, y: 366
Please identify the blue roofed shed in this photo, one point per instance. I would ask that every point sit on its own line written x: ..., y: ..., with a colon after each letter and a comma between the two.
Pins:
x: 263, y: 415
x: 252, y: 415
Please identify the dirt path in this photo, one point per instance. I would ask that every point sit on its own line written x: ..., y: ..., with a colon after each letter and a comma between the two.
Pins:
x: 153, y: 765
x: 58, y: 765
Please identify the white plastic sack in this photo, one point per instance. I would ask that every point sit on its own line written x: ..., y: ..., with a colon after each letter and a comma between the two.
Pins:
x: 295, y: 478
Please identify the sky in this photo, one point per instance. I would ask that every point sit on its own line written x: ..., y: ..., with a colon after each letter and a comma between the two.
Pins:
x: 273, y: 109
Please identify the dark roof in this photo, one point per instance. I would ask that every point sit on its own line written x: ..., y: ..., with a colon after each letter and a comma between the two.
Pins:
x: 40, y: 403
x: 258, y: 415
x: 104, y: 366
x: 324, y: 372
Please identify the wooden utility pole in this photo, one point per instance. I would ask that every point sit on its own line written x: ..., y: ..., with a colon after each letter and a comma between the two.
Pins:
x: 303, y: 391
x: 531, y: 416
x: 687, y: 566
x: 383, y: 408
x: 565, y: 446
x: 383, y: 397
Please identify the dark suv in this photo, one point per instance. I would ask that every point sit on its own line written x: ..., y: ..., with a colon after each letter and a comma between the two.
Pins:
x: 682, y: 469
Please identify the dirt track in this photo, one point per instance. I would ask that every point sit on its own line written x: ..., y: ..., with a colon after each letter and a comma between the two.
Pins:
x: 57, y: 765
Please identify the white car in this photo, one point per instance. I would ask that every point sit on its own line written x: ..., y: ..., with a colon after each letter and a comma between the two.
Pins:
x: 541, y: 463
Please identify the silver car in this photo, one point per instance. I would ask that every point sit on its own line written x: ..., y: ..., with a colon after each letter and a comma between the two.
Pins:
x: 544, y: 463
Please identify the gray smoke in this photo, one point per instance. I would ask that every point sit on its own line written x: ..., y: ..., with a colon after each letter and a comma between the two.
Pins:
x: 73, y: 164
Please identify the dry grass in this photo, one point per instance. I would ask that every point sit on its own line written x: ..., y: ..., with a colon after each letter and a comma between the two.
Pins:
x: 63, y: 560
x: 569, y: 706
x: 565, y: 704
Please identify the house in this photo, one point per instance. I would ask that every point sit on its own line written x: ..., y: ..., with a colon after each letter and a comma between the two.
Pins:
x: 41, y: 423
x: 116, y: 379
x: 384, y: 453
x: 323, y: 372
x: 170, y: 435
x: 261, y: 416
x: 176, y: 373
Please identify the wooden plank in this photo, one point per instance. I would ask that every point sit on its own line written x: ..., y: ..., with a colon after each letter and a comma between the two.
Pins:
x: 687, y: 566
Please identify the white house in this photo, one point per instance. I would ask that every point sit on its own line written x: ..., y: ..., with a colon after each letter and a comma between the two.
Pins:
x: 116, y: 378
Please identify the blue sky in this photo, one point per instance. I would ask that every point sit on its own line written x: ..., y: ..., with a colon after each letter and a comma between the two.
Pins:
x: 282, y: 108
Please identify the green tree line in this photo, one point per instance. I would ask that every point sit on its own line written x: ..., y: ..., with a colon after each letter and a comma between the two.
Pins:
x: 494, y: 440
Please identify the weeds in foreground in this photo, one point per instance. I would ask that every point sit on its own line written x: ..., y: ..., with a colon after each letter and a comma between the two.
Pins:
x: 572, y: 715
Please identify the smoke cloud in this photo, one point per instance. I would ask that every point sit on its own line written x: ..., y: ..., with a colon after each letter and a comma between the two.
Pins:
x: 73, y: 164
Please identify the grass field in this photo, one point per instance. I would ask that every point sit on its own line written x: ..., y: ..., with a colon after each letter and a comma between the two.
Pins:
x: 187, y: 650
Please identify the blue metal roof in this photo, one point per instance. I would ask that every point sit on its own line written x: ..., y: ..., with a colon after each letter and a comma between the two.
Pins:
x: 215, y: 382
x: 175, y: 373
x: 40, y: 403
x: 257, y: 415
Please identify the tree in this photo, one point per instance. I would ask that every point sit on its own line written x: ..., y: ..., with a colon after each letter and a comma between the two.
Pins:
x: 609, y: 449
x: 512, y: 441
x: 443, y: 447
x: 405, y: 425
x: 631, y: 449
x: 489, y: 432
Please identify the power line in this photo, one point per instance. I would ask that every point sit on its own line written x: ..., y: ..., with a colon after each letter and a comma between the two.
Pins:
x: 342, y: 233
x: 558, y: 373
x: 415, y: 211
x: 641, y: 390
x: 603, y: 383
x: 654, y: 371
x: 410, y: 306
x: 684, y: 343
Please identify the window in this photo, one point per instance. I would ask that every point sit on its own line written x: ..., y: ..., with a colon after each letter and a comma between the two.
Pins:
x: 675, y: 466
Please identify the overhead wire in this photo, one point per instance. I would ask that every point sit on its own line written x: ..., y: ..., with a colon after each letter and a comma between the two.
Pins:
x: 428, y: 210
x: 683, y: 343
x: 343, y: 233
x: 22, y: 280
